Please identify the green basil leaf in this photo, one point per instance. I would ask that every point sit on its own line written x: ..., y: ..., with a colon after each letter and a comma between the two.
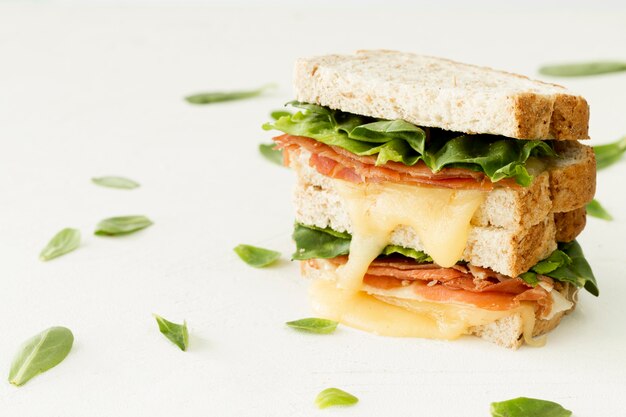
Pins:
x: 578, y: 272
x: 313, y: 242
x: 314, y: 325
x: 419, y: 256
x: 122, y: 225
x: 403, y: 142
x: 176, y: 333
x: 317, y: 243
x: 595, y: 209
x: 255, y: 256
x: 40, y: 353
x: 277, y: 114
x: 566, y: 264
x: 607, y: 155
x: 63, y: 242
x: 528, y: 407
x: 220, y: 96
x: 332, y: 397
x: 581, y: 69
x: 116, y: 182
x: 530, y: 278
x: 271, y: 154
x: 556, y: 260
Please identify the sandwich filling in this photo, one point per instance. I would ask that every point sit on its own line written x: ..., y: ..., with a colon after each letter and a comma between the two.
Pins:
x: 363, y: 149
x: 393, y: 173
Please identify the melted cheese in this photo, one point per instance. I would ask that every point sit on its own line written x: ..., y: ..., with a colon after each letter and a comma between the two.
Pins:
x: 440, y: 217
x: 424, y: 319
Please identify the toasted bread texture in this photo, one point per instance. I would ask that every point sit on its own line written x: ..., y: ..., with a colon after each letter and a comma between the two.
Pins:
x: 436, y: 92
x: 511, y: 231
x: 507, y: 332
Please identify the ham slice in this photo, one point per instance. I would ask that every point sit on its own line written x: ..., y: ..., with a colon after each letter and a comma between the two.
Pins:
x: 468, y: 284
x: 336, y: 162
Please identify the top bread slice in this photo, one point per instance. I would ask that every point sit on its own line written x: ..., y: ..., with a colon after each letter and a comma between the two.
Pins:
x: 436, y: 92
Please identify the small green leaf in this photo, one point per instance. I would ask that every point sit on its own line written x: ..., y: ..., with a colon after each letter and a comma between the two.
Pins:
x: 177, y: 333
x: 528, y: 407
x: 115, y: 182
x: 578, y: 272
x: 607, y: 155
x: 595, y: 209
x: 314, y: 325
x: 271, y: 154
x: 277, y: 114
x: 122, y: 225
x: 581, y: 69
x: 332, y: 397
x: 255, y: 256
x: 530, y: 278
x: 220, y: 96
x: 40, y: 353
x: 63, y: 242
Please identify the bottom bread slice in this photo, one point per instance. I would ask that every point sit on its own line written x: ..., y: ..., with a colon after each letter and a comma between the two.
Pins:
x: 506, y: 332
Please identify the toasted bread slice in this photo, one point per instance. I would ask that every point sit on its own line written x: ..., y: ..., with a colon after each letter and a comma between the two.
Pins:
x: 436, y: 92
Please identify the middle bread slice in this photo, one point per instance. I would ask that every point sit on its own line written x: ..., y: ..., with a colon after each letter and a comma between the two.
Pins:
x: 512, y: 230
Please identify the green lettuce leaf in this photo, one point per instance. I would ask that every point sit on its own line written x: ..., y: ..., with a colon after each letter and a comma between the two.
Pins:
x: 566, y: 264
x: 400, y: 141
x: 578, y: 272
x: 314, y: 242
x: 419, y: 256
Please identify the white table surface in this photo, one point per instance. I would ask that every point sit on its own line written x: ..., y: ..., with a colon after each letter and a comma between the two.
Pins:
x: 97, y: 90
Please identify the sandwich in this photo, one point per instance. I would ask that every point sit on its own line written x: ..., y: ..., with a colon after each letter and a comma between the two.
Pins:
x: 437, y: 199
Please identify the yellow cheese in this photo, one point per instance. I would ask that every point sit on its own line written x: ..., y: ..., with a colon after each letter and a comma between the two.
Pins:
x: 440, y: 217
x: 425, y: 319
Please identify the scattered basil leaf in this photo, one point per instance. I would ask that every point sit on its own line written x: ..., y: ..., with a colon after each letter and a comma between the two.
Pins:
x: 255, y: 256
x: 271, y: 154
x: 607, y: 155
x: 176, y: 333
x: 40, y: 353
x: 277, y: 114
x: 332, y: 397
x: 403, y: 142
x: 122, y: 225
x: 528, y: 407
x: 581, y: 69
x: 115, y: 182
x: 63, y: 242
x: 314, y: 325
x: 595, y: 209
x: 220, y: 96
x: 314, y: 242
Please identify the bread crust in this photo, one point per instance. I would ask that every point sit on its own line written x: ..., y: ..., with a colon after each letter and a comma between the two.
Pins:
x: 570, y: 224
x: 436, y: 92
x: 572, y: 176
